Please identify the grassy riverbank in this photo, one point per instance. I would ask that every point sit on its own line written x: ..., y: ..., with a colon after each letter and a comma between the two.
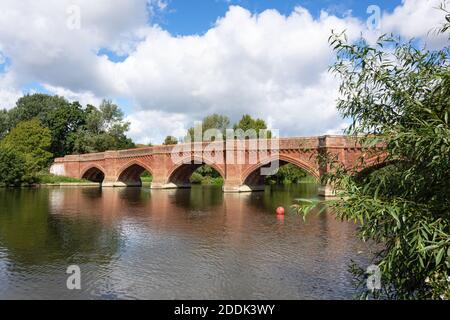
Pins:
x: 51, y: 180
x: 146, y: 180
x: 47, y: 179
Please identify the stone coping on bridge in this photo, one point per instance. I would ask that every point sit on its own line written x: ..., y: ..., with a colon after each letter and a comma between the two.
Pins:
x: 293, y: 143
x: 172, y: 166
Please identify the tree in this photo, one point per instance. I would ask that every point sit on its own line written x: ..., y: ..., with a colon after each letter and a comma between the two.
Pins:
x: 170, y: 140
x: 63, y: 122
x: 206, y: 175
x: 215, y: 121
x: 11, y: 166
x: 104, y: 129
x: 33, y: 106
x: 74, y: 129
x: 140, y: 145
x: 399, y: 95
x: 287, y: 174
x: 56, y: 113
x: 4, y: 123
x: 248, y: 123
x: 94, y: 120
x: 32, y: 141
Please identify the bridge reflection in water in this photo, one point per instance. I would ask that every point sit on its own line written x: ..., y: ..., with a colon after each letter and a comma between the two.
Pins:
x: 172, y: 244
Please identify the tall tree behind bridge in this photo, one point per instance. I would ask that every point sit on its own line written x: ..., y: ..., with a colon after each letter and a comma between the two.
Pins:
x: 170, y: 140
x: 56, y: 113
x: 214, y: 121
x: 222, y: 123
x: 4, y: 123
x: 248, y: 123
x: 73, y: 129
x: 104, y: 129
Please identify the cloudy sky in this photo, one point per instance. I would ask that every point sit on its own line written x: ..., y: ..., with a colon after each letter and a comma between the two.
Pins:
x: 168, y: 63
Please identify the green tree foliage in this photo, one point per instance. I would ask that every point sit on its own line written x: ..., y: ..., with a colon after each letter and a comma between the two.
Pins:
x: 399, y: 95
x: 4, y: 123
x: 287, y: 174
x: 222, y: 123
x: 206, y: 170
x: 56, y: 113
x: 196, y: 178
x: 12, y: 166
x: 170, y: 140
x: 206, y: 175
x: 32, y: 141
x: 248, y: 123
x: 214, y: 121
x: 446, y: 25
x: 104, y: 129
x: 73, y: 128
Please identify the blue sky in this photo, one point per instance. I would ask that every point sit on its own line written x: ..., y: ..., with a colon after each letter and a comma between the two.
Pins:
x: 182, y: 17
x: 197, y: 16
x: 168, y: 63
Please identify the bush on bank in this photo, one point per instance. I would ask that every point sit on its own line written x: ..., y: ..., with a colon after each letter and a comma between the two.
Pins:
x: 47, y: 178
x: 12, y: 167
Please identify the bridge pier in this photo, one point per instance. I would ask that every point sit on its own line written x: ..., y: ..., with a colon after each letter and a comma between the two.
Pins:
x: 109, y: 182
x: 241, y: 188
x: 165, y: 186
x: 327, y: 191
x: 237, y: 165
x: 114, y: 183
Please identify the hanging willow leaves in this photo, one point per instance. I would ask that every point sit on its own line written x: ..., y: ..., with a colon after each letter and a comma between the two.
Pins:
x: 400, y: 95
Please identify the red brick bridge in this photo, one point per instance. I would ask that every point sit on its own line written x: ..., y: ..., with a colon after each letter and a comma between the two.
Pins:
x: 238, y: 162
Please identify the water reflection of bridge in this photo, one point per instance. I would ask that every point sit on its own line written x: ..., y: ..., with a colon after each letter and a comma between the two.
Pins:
x: 201, y: 213
x: 169, y: 244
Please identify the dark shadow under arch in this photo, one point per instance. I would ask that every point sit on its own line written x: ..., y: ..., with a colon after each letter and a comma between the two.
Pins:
x: 94, y: 174
x: 131, y: 175
x: 181, y: 175
x: 256, y: 181
x: 373, y: 167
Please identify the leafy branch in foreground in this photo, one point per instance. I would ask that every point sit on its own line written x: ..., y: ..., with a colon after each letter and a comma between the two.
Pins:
x: 306, y: 206
x: 400, y: 95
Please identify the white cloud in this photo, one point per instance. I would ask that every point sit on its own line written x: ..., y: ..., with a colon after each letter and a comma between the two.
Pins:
x: 36, y: 37
x: 153, y: 126
x: 8, y: 97
x: 2, y: 58
x: 268, y: 65
x: 8, y: 91
x: 417, y: 19
x: 84, y: 98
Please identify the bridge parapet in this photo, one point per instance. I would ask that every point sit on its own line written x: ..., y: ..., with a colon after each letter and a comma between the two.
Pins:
x: 296, y: 143
x: 171, y: 166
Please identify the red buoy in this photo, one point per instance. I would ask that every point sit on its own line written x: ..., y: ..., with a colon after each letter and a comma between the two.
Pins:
x: 280, y: 211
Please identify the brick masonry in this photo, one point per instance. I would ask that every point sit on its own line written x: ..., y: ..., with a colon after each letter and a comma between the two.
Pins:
x: 239, y: 162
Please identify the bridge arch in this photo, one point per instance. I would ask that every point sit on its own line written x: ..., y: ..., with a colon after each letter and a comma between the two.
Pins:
x: 181, y: 172
x: 130, y: 174
x: 94, y: 173
x: 372, y: 165
x: 252, y: 177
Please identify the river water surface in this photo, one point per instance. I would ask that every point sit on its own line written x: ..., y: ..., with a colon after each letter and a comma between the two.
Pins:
x: 172, y: 244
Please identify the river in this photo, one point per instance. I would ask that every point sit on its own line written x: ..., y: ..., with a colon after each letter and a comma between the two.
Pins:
x: 172, y: 244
